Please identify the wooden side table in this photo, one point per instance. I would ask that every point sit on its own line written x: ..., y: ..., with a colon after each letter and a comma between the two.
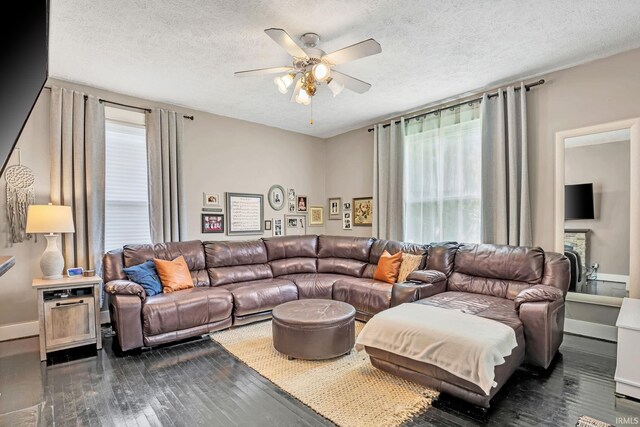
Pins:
x: 627, y: 375
x: 68, y: 312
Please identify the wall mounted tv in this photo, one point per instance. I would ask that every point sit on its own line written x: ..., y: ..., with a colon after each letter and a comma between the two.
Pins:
x: 24, y: 68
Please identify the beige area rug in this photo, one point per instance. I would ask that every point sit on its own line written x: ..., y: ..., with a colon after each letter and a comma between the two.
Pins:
x: 347, y: 390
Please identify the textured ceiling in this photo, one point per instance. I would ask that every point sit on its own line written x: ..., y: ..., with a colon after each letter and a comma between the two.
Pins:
x: 185, y: 52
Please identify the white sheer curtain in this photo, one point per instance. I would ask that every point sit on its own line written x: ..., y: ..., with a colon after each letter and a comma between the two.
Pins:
x: 442, y: 176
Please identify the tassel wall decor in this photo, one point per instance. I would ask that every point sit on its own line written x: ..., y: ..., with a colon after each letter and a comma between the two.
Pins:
x: 20, y: 194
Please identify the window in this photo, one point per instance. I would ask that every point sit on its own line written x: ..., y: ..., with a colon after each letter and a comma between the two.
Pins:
x: 126, y: 191
x: 443, y: 176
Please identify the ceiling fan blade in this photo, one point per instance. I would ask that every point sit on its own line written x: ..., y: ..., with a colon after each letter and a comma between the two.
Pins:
x: 281, y: 37
x: 351, y: 83
x: 296, y: 90
x: 356, y: 51
x: 261, y: 71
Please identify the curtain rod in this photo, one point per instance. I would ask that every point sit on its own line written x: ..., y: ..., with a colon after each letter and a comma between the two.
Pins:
x: 469, y: 101
x: 148, y: 110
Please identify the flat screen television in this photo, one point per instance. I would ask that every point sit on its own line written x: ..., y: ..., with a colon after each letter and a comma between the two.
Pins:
x: 24, y: 68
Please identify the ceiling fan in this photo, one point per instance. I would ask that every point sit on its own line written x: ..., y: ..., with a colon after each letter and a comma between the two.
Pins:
x: 313, y: 67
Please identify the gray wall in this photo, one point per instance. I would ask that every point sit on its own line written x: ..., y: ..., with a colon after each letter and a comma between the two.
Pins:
x: 349, y: 160
x: 607, y: 166
x: 221, y: 154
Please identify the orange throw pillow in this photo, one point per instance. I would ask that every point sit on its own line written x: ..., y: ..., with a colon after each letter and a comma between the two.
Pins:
x: 174, y: 275
x: 388, y: 267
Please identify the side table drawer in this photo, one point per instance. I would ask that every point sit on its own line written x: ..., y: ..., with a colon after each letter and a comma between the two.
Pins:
x: 69, y: 321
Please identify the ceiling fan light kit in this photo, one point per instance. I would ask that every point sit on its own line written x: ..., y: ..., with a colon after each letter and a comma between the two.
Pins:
x: 312, y: 67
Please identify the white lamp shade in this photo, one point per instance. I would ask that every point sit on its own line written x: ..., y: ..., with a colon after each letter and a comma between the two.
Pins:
x: 49, y: 219
x: 303, y: 98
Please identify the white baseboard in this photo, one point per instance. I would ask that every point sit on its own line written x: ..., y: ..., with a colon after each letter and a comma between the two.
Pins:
x: 31, y: 329
x: 590, y: 329
x: 19, y: 330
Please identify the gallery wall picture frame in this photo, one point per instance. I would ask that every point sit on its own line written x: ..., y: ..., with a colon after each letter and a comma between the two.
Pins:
x: 291, y: 195
x: 316, y: 216
x: 346, y: 206
x: 212, y: 223
x: 362, y: 209
x: 295, y: 225
x: 292, y: 206
x: 267, y: 225
x: 335, y: 205
x: 211, y: 199
x: 302, y: 204
x: 276, y: 197
x: 245, y: 213
x: 278, y: 230
x: 347, y: 220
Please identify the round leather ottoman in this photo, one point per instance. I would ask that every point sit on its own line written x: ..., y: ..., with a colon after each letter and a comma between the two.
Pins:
x: 314, y: 329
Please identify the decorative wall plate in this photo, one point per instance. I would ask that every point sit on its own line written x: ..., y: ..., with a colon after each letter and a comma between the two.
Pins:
x: 277, y: 197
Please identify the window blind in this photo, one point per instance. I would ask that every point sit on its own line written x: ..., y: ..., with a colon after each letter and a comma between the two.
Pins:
x: 126, y: 191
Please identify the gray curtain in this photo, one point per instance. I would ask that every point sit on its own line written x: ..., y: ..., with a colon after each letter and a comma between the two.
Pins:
x: 388, y: 160
x: 165, y: 130
x: 506, y: 212
x: 77, y: 173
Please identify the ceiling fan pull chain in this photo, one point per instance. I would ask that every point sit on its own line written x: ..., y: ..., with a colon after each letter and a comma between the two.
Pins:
x: 311, y: 110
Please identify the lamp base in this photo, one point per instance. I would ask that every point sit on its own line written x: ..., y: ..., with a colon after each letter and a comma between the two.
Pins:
x: 52, y: 261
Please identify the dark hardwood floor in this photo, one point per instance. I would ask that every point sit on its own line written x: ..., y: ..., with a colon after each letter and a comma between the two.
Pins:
x: 197, y: 383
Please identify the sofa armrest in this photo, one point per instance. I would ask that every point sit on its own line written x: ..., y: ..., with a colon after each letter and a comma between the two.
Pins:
x: 126, y: 319
x: 543, y: 324
x: 423, y: 284
x: 427, y: 276
x: 125, y: 287
x: 537, y: 293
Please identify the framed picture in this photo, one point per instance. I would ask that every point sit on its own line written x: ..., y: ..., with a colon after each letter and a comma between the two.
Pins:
x: 363, y: 211
x: 245, y: 213
x: 346, y: 206
x: 292, y: 206
x: 277, y: 227
x: 267, y: 224
x: 276, y: 197
x: 335, y: 203
x: 295, y: 225
x: 316, y: 216
x: 291, y: 195
x: 210, y: 199
x: 75, y: 271
x: 347, y: 223
x: 301, y: 203
x: 212, y: 223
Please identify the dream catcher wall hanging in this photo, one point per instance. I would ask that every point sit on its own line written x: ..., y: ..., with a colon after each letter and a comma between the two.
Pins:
x: 20, y: 194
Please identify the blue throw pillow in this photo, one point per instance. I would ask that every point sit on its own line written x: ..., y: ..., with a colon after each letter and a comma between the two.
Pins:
x: 145, y: 275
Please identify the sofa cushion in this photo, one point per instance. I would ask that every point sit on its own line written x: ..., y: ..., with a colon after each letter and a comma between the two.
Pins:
x: 392, y: 246
x: 185, y: 309
x: 145, y: 275
x: 192, y: 252
x: 280, y: 267
x: 350, y: 267
x: 238, y: 261
x: 388, y: 267
x: 291, y: 247
x: 516, y: 263
x: 368, y: 296
x: 313, y: 285
x: 410, y: 263
x: 485, y: 285
x: 260, y: 295
x: 441, y: 257
x: 489, y: 307
x: 174, y: 275
x: 356, y: 248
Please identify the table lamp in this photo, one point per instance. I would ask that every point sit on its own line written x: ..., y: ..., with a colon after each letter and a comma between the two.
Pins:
x: 52, y: 220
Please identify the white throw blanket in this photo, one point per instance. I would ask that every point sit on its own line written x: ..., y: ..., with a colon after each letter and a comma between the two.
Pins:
x: 467, y: 346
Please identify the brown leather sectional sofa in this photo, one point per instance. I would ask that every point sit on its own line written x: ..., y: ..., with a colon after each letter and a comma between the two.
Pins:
x: 239, y: 282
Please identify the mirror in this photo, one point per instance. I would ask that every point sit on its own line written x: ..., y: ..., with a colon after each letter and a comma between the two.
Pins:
x: 597, y: 172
